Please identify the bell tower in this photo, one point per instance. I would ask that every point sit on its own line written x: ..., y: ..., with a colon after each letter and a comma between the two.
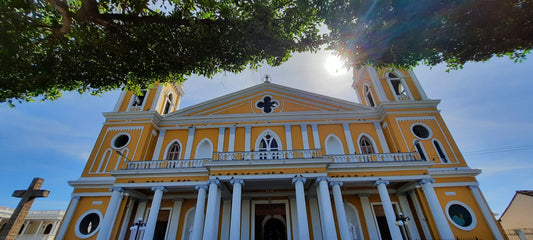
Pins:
x: 375, y: 86
x: 162, y: 98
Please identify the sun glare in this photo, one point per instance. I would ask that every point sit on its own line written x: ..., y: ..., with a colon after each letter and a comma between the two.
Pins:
x: 334, y: 65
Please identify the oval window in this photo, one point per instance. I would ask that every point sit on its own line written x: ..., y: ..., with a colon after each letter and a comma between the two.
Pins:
x: 88, y: 224
x: 421, y: 131
x: 120, y: 141
x: 460, y: 215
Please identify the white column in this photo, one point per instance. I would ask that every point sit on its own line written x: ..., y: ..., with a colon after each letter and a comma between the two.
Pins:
x: 110, y: 213
x: 369, y: 217
x: 305, y: 139
x: 235, y: 227
x: 420, y: 214
x: 303, y: 227
x: 175, y: 219
x: 38, y: 228
x: 316, y: 137
x: 124, y: 229
x: 220, y: 145
x: 486, y: 212
x: 381, y: 137
x: 406, y: 210
x: 341, y: 212
x: 288, y: 136
x: 231, y: 144
x: 159, y: 144
x: 445, y: 232
x: 139, y: 214
x: 154, y: 212
x: 26, y: 225
x: 198, y: 224
x: 387, y: 207
x: 330, y: 232
x: 348, y: 136
x: 226, y: 219
x: 245, y: 220
x: 247, y: 138
x: 68, y: 217
x: 190, y: 141
x: 315, y: 218
x: 211, y: 212
x: 294, y: 217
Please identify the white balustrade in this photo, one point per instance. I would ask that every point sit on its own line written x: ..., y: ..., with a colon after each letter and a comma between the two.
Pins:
x: 157, y: 164
x: 376, y: 157
x: 262, y: 155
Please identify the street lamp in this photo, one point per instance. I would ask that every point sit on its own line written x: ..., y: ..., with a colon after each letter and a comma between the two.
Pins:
x: 401, y: 221
x: 137, y: 227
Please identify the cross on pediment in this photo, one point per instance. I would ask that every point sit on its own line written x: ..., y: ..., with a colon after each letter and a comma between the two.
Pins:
x: 12, y: 227
x: 267, y: 104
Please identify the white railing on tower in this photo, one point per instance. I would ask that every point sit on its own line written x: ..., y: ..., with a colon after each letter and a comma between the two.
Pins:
x: 186, y: 163
x: 264, y: 155
x: 374, y: 157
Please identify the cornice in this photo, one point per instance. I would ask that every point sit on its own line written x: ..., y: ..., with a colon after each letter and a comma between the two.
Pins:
x: 92, y: 182
x: 454, y: 172
x: 152, y: 115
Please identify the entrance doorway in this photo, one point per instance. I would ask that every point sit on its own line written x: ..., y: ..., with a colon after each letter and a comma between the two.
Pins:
x: 381, y: 220
x: 161, y: 225
x: 270, y: 221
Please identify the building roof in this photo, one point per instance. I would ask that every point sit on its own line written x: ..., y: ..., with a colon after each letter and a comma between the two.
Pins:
x: 525, y: 192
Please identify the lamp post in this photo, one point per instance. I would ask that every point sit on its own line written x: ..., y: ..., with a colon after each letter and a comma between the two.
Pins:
x: 137, y: 227
x: 401, y: 221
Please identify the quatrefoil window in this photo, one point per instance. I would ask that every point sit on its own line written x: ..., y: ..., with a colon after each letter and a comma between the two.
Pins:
x: 267, y: 104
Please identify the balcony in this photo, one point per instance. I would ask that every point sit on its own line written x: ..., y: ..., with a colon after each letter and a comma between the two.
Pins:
x: 280, y: 157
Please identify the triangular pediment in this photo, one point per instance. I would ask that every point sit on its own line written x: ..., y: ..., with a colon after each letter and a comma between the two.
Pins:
x: 269, y: 98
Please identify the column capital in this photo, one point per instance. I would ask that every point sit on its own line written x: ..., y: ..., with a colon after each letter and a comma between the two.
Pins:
x: 320, y: 179
x: 201, y: 186
x: 76, y: 197
x: 381, y: 181
x: 426, y: 181
x: 161, y: 188
x: 215, y: 181
x: 118, y: 189
x: 332, y: 183
x: 298, y: 179
x: 236, y: 180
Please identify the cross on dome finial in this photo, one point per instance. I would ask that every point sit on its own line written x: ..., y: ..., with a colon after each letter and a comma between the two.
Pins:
x: 267, y: 78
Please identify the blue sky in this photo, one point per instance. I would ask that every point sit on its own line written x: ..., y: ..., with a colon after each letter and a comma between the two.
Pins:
x: 485, y: 105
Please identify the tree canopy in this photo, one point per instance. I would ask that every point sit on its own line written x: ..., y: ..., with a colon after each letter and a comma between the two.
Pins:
x: 50, y: 46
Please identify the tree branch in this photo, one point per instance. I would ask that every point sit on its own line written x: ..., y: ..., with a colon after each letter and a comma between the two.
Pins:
x: 66, y: 20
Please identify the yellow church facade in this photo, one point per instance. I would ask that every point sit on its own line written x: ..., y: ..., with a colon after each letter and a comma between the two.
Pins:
x: 272, y: 162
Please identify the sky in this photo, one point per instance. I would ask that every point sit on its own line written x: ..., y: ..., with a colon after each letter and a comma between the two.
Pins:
x: 485, y: 106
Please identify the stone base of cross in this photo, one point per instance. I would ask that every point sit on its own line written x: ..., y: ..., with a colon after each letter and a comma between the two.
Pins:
x: 13, y: 226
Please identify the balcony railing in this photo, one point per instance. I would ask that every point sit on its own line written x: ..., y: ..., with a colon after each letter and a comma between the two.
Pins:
x: 265, y: 155
x: 375, y: 157
x: 154, y: 164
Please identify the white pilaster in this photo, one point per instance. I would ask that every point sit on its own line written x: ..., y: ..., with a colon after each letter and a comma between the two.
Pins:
x: 387, y: 207
x: 417, y: 85
x: 406, y: 210
x: 157, y: 98
x: 154, y: 212
x: 486, y: 212
x: 420, y: 214
x: 245, y: 220
x: 38, y: 228
x: 373, y: 232
x: 323, y: 222
x: 247, y: 138
x: 305, y: 138
x: 111, y: 212
x: 348, y: 136
x: 235, y: 228
x: 220, y: 145
x: 198, y: 224
x: 175, y: 219
x: 124, y: 229
x: 294, y: 217
x: 303, y: 227
x: 231, y: 144
x: 211, y: 212
x: 341, y: 212
x: 381, y: 137
x: 315, y: 219
x: 159, y: 144
x: 190, y: 141
x: 288, y: 136
x: 331, y: 233
x: 445, y: 232
x: 117, y: 106
x: 374, y: 77
x: 68, y: 217
x: 226, y: 219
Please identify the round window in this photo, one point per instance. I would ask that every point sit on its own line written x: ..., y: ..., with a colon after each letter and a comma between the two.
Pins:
x: 120, y: 140
x: 461, y: 215
x: 421, y: 131
x: 88, y: 224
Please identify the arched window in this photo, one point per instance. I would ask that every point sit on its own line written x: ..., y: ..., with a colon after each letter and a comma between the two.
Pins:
x: 354, y: 224
x: 440, y: 151
x: 420, y: 150
x: 138, y: 100
x: 48, y: 229
x: 368, y: 96
x: 168, y: 104
x: 204, y: 149
x: 366, y: 145
x: 174, y: 151
x: 333, y: 145
x: 189, y: 222
x: 268, y: 142
x: 397, y: 85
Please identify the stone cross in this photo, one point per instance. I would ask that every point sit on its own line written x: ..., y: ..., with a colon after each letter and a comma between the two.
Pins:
x: 12, y: 227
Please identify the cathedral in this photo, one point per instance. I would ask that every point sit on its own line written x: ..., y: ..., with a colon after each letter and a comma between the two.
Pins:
x: 273, y: 162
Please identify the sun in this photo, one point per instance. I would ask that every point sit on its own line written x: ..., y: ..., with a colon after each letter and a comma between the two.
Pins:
x: 334, y: 65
